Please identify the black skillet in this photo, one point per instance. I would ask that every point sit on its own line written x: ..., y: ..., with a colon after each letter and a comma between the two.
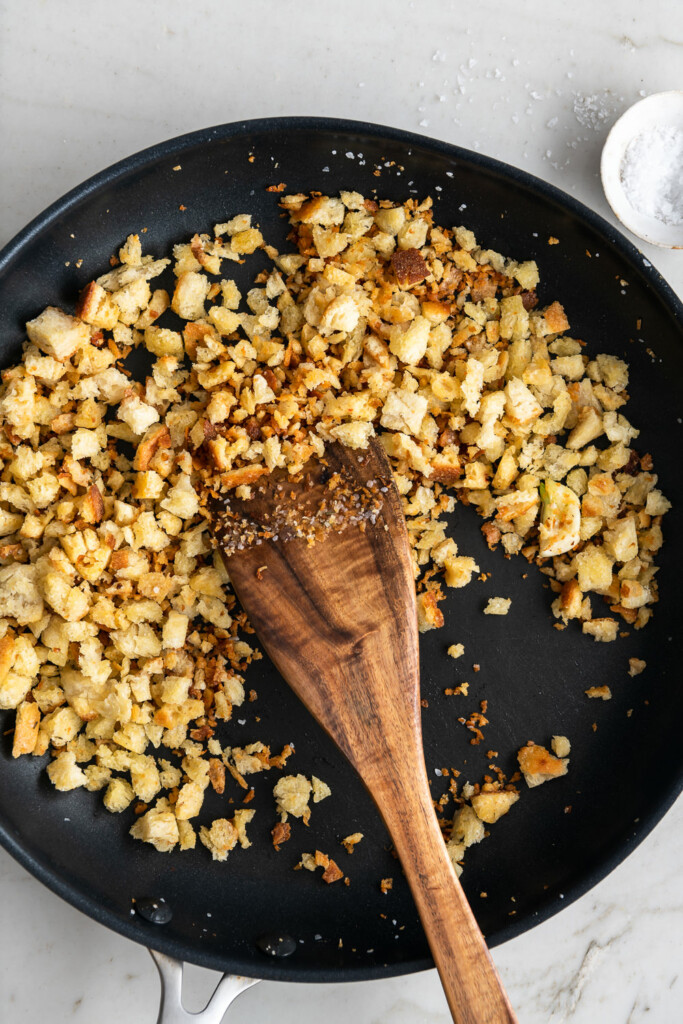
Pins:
x: 625, y: 768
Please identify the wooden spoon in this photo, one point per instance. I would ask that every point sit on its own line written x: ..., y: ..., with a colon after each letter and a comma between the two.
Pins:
x: 338, y: 619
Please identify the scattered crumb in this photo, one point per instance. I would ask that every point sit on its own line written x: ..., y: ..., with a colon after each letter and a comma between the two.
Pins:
x: 281, y: 833
x: 539, y: 765
x: 351, y: 841
x: 599, y: 692
x: 561, y: 746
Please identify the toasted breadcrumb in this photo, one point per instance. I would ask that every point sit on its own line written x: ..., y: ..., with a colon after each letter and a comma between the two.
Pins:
x: 498, y: 606
x: 600, y: 692
x: 292, y: 793
x: 219, y: 839
x: 351, y: 841
x: 492, y: 806
x: 636, y: 666
x: 539, y: 765
x: 331, y: 871
x: 456, y: 650
x: 281, y: 833
x: 561, y: 746
x: 320, y: 790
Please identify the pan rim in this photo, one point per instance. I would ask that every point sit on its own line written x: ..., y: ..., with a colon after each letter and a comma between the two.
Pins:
x: 616, y: 851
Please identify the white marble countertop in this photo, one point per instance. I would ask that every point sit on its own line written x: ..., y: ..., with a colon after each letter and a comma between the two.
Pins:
x: 83, y: 84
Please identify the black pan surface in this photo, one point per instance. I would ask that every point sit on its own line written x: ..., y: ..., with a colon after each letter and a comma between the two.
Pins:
x: 625, y: 770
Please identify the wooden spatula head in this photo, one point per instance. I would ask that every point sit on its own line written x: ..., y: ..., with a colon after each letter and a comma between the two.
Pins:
x: 322, y: 566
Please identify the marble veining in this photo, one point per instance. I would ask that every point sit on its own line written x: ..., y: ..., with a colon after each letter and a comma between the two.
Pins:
x: 536, y: 85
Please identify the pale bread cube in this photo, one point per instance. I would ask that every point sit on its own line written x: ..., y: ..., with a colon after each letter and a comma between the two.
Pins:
x: 64, y: 773
x: 162, y: 342
x: 561, y: 746
x: 353, y: 435
x: 404, y: 411
x: 603, y: 630
x: 118, y: 796
x: 189, y: 295
x: 224, y: 320
x: 292, y: 793
x: 158, y: 827
x: 498, y: 606
x: 174, y: 631
x: 594, y: 568
x: 190, y: 800
x: 138, y: 415
x: 410, y: 343
x: 96, y: 307
x: 58, y: 334
x: 320, y: 789
x: 492, y: 806
x: 390, y: 220
x: 459, y: 570
x: 220, y: 839
x: 182, y: 500
x: 467, y: 827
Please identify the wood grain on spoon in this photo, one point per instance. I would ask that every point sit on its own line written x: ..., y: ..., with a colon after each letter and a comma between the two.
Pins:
x: 338, y: 619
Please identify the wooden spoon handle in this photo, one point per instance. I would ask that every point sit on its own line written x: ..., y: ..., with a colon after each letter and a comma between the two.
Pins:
x: 473, y: 988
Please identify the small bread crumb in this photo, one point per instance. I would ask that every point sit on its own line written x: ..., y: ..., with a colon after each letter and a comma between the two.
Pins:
x: 498, y: 606
x: 636, y: 666
x: 561, y: 746
x: 539, y: 765
x: 351, y: 841
x: 600, y: 692
x: 456, y: 650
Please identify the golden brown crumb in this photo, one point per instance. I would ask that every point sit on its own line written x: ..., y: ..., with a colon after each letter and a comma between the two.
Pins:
x: 600, y: 692
x: 281, y: 832
x: 539, y: 765
x: 332, y: 873
x: 351, y: 841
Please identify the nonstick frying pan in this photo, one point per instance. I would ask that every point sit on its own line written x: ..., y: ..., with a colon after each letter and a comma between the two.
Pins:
x: 625, y: 767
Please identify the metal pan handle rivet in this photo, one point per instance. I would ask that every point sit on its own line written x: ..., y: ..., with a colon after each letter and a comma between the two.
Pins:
x: 171, y: 1009
x: 276, y: 944
x: 154, y: 910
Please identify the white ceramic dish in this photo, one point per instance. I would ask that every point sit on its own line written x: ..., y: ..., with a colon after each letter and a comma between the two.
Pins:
x: 661, y: 110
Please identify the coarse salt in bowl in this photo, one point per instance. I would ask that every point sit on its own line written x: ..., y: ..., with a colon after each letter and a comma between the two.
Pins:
x: 642, y: 169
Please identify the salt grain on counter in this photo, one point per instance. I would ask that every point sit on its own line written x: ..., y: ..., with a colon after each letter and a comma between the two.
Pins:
x: 652, y: 174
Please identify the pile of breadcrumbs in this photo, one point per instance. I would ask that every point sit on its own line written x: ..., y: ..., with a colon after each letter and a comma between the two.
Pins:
x: 119, y: 643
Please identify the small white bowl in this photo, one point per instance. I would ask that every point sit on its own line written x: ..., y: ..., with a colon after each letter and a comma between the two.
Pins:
x: 661, y: 110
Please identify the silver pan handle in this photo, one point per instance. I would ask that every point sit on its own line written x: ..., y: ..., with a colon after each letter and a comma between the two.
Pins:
x: 171, y: 1009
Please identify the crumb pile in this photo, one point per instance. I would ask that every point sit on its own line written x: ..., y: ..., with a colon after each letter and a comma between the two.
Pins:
x: 119, y: 636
